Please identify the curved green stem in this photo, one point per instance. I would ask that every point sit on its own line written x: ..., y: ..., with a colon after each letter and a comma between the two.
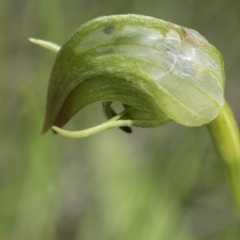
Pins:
x: 225, y: 135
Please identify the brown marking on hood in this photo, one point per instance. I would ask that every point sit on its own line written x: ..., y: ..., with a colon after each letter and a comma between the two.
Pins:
x: 195, y: 40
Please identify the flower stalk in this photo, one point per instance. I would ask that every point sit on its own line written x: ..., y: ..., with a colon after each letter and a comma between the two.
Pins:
x: 225, y: 136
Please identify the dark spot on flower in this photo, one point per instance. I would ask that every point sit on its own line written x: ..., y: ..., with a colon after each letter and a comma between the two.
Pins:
x: 109, y: 29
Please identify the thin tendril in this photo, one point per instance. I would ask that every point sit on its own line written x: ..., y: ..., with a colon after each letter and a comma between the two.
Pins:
x: 112, y: 123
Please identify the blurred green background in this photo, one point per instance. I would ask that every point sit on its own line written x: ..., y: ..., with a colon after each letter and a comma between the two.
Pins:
x: 155, y: 184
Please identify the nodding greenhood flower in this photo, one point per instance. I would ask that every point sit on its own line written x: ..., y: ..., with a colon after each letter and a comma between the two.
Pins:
x: 159, y: 71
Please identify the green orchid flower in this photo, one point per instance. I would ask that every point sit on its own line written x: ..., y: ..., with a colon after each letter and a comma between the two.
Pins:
x: 160, y: 72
